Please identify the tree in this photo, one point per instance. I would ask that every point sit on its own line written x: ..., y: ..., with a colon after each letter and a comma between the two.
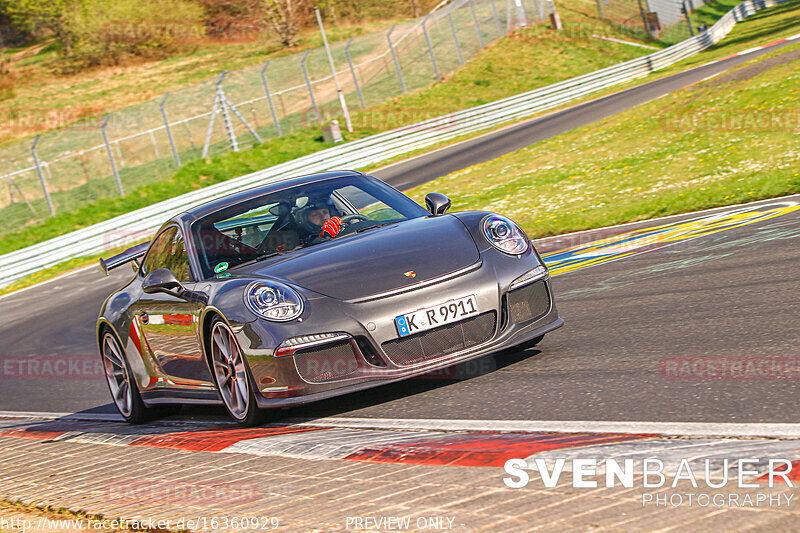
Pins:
x: 36, y: 16
x: 286, y: 17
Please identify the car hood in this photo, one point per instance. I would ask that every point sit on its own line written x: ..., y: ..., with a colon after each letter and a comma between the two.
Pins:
x: 376, y: 261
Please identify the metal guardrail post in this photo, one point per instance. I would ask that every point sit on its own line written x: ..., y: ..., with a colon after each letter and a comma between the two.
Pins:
x: 353, y: 72
x: 111, y: 155
x: 394, y: 58
x: 496, y: 19
x: 430, y: 47
x: 308, y: 86
x: 272, y: 111
x: 455, y: 36
x: 475, y: 21
x: 175, y: 158
x: 41, y: 176
x: 225, y: 116
x: 685, y: 10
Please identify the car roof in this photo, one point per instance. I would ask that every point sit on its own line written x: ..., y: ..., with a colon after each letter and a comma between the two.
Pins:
x: 207, y: 208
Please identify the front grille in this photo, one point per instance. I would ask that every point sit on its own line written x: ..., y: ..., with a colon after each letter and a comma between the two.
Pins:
x: 441, y: 341
x: 326, y: 363
x: 529, y: 303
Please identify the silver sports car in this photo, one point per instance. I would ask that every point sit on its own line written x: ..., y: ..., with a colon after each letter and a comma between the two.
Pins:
x: 313, y: 287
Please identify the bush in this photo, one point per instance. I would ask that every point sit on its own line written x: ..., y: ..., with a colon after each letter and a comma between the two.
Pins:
x: 104, y: 32
x: 8, y: 78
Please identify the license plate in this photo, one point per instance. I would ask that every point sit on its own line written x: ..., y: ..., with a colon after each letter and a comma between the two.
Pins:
x: 436, y: 315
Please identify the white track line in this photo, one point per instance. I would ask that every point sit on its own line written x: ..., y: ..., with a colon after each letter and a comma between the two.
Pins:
x: 567, y: 426
x: 697, y: 429
x: 40, y: 415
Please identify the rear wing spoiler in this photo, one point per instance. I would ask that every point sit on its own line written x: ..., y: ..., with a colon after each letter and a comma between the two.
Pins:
x: 125, y: 257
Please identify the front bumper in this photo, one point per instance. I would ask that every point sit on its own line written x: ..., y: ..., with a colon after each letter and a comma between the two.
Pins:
x: 372, y: 353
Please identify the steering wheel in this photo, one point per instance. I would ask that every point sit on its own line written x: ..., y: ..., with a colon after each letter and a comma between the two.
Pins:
x: 349, y: 219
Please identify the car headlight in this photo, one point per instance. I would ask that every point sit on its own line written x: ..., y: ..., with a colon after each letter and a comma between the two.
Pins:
x: 273, y: 301
x: 505, y: 235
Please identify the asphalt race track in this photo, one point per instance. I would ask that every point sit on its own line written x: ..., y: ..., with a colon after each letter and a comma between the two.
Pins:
x: 727, y: 290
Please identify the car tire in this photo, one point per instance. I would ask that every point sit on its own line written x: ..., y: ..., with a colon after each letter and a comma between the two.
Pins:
x: 232, y: 377
x: 122, y: 384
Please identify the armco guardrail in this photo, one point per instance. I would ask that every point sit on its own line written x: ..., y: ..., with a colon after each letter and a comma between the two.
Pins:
x: 381, y: 147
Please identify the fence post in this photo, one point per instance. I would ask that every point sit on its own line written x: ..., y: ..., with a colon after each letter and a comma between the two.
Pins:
x: 111, y: 155
x: 308, y: 86
x: 155, y: 146
x: 175, y: 158
x: 339, y: 92
x: 644, y: 20
x: 475, y: 21
x: 225, y: 116
x: 685, y: 10
x: 394, y: 58
x: 210, y: 129
x: 353, y: 72
x: 269, y: 99
x: 455, y: 36
x: 430, y: 48
x: 599, y: 9
x: 497, y: 19
x: 41, y: 176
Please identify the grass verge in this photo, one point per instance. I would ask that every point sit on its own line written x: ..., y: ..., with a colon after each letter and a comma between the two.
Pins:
x: 729, y: 140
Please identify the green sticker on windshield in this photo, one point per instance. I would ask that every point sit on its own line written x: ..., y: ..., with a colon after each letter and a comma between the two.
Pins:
x: 221, y: 267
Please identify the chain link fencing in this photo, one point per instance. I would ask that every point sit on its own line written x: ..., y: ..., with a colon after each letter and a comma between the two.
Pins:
x: 64, y: 170
x: 668, y: 21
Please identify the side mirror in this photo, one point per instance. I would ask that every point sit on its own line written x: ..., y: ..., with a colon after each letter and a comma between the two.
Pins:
x: 162, y: 280
x: 437, y: 203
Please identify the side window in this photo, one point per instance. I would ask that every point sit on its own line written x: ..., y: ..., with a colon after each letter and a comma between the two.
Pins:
x: 155, y: 255
x: 177, y: 260
x: 168, y: 251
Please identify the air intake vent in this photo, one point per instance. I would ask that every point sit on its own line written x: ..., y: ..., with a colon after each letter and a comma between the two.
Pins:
x: 330, y: 362
x: 529, y: 303
x: 441, y: 341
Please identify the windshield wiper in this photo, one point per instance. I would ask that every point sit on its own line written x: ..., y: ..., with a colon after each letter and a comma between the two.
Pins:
x: 262, y: 257
x: 375, y: 226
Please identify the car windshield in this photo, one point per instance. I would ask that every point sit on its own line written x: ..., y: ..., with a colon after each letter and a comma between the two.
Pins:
x: 294, y: 218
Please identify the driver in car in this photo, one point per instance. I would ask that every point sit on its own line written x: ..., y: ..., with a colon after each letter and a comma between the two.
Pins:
x: 320, y: 220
